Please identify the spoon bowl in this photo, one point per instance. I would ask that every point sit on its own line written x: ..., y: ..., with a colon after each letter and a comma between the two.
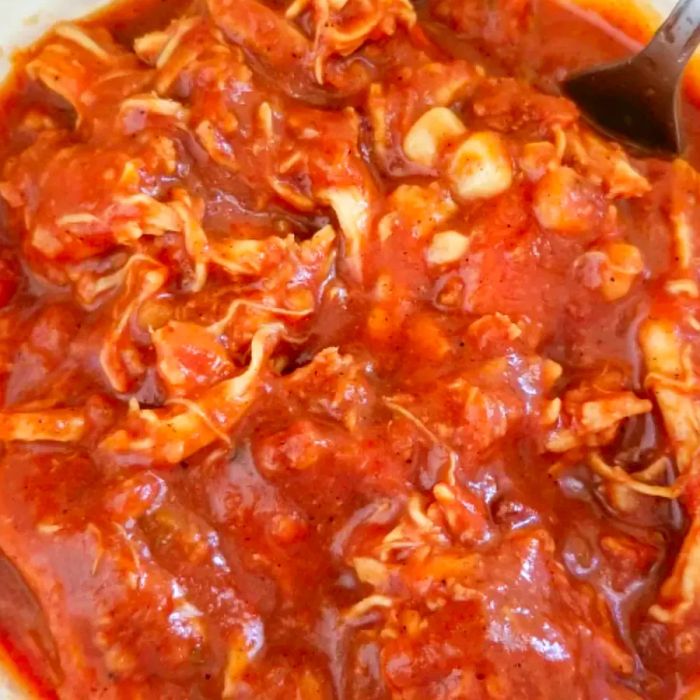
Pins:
x: 636, y: 101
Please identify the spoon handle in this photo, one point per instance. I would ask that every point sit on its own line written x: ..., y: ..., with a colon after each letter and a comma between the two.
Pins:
x: 676, y: 39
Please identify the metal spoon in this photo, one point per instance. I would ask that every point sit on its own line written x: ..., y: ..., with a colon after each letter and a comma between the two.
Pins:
x: 637, y: 100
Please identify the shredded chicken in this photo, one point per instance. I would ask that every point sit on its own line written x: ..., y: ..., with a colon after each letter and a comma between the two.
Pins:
x: 169, y: 435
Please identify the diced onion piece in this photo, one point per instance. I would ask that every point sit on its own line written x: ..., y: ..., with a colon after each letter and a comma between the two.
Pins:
x: 421, y: 210
x: 551, y: 373
x: 481, y: 167
x: 623, y: 263
x: 426, y: 338
x: 447, y: 247
x: 551, y: 410
x: 661, y: 347
x: 370, y: 571
x: 44, y: 240
x: 429, y: 133
x: 537, y: 158
x: 566, y: 203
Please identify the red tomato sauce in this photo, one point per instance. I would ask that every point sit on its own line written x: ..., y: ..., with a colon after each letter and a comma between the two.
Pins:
x: 340, y: 359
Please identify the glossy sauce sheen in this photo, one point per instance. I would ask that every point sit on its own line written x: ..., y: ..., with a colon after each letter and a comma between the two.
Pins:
x: 290, y: 414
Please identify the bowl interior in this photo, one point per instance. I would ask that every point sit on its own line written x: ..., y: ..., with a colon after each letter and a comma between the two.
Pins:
x: 24, y: 22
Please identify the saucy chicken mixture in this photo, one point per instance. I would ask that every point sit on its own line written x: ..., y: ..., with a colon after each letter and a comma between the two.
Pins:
x: 340, y: 359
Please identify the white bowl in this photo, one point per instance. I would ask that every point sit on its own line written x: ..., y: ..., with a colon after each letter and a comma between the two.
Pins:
x: 25, y: 21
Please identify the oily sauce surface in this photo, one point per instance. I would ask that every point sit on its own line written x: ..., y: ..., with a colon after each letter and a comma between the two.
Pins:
x: 340, y: 359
